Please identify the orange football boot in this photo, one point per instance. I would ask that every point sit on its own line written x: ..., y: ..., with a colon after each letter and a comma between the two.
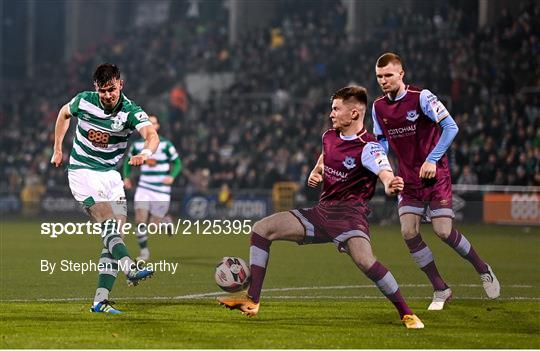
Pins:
x: 241, y: 302
x: 411, y: 321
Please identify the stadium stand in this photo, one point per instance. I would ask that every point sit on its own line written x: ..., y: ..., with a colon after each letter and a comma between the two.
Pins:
x: 267, y: 126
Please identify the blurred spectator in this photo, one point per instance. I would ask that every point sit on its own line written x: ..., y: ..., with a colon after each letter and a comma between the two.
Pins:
x: 267, y: 126
x: 31, y: 194
x: 467, y: 177
x: 178, y: 102
x: 224, y: 199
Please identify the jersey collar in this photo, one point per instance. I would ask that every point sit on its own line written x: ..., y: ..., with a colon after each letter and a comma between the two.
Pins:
x: 116, y: 108
x: 353, y: 137
x: 399, y: 97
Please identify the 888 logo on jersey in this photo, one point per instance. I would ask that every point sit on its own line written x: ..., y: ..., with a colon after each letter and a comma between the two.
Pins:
x: 99, y: 138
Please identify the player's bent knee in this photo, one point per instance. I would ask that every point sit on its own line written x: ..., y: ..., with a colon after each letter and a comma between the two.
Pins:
x: 361, y: 253
x: 141, y: 216
x: 408, y: 232
x: 121, y: 218
x: 442, y: 226
x: 155, y: 219
x: 260, y: 228
x: 366, y: 263
x: 442, y: 233
x: 280, y: 226
x: 268, y: 225
x: 266, y: 228
x: 101, y: 211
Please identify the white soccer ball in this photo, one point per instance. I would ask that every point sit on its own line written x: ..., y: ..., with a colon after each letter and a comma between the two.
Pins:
x: 232, y: 274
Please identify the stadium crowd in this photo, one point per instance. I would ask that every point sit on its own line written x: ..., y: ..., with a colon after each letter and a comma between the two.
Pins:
x: 266, y: 127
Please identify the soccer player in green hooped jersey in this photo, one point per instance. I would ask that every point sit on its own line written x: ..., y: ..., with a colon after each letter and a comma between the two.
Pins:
x: 106, y: 118
x: 153, y: 194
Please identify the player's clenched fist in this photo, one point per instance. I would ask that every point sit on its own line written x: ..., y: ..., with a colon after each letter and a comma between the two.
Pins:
x: 396, y: 185
x: 428, y: 170
x: 137, y: 160
x: 56, y: 158
x: 314, y: 179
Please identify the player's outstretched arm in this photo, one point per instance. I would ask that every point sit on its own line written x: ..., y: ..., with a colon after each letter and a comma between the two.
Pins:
x: 151, y: 143
x: 60, y: 130
x: 392, y: 184
x: 315, y: 177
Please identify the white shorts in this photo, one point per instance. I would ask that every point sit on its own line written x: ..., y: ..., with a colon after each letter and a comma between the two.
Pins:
x: 89, y: 186
x: 155, y: 203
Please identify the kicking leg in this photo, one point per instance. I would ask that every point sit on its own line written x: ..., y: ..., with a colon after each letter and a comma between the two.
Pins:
x: 101, y: 213
x: 112, y: 241
x: 279, y: 226
x: 107, y: 276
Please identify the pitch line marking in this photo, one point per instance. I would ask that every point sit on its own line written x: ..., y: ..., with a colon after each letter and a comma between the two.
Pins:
x: 381, y: 297
x: 280, y: 297
x: 299, y: 288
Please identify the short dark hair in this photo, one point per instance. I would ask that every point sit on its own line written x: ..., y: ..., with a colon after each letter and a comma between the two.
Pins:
x: 154, y: 115
x: 355, y: 92
x: 388, y: 57
x: 105, y: 73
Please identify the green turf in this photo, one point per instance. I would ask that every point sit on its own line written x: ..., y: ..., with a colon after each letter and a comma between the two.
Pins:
x: 335, y: 307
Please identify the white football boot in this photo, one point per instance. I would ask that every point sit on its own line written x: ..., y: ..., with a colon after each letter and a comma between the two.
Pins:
x: 491, y: 284
x: 439, y: 298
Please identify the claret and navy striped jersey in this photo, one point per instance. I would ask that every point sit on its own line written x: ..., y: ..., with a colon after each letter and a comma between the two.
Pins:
x: 410, y: 124
x: 351, y: 167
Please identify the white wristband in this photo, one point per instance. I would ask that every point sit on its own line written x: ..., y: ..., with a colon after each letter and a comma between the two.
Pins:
x: 147, y: 152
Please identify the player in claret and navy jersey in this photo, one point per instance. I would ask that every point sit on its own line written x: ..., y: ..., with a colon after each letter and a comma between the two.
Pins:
x: 349, y: 166
x: 419, y: 129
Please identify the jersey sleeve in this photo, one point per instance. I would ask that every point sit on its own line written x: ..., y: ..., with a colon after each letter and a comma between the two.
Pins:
x: 377, y: 131
x: 74, y: 105
x: 137, y: 119
x: 171, y: 150
x: 449, y: 132
x: 432, y: 106
x: 374, y: 158
x: 132, y: 150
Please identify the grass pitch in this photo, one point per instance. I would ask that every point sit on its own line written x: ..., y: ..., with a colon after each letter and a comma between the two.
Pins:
x: 314, y: 297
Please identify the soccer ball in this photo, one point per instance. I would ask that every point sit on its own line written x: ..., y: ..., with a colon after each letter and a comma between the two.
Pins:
x: 232, y: 274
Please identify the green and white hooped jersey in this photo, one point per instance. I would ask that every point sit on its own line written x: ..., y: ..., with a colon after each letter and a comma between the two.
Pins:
x: 157, y: 167
x: 101, y: 138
